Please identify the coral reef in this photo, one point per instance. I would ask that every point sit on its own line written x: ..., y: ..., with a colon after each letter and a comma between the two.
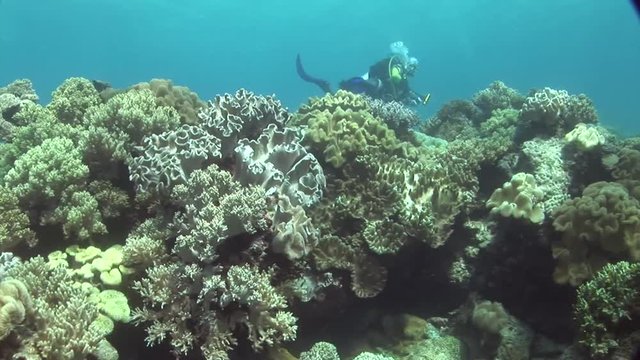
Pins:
x: 229, y: 229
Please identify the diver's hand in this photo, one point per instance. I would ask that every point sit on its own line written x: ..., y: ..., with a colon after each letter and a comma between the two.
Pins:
x: 413, y: 99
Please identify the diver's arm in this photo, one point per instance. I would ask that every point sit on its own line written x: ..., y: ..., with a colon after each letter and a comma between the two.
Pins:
x: 413, y: 98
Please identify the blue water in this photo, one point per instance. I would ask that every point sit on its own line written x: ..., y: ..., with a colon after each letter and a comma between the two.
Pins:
x: 583, y: 46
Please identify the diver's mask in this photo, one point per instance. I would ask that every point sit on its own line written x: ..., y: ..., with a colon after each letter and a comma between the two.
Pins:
x: 411, y: 67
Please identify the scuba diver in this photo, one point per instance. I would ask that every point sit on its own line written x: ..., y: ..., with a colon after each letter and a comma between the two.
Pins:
x: 387, y: 80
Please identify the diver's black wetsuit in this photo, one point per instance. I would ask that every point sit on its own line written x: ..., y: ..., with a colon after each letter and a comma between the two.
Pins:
x: 388, y: 90
x: 379, y: 85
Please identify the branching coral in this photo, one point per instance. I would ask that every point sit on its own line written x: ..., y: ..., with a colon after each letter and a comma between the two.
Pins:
x: 39, y: 177
x: 605, y: 306
x: 217, y: 208
x: 397, y: 116
x: 61, y: 320
x: 259, y: 309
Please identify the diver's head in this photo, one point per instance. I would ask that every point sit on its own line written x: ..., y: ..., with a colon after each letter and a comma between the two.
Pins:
x: 411, y: 67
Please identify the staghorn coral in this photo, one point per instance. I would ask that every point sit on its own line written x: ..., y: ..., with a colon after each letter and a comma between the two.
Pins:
x: 60, y: 324
x: 599, y: 225
x: 519, y: 198
x: 605, y: 305
x: 185, y: 101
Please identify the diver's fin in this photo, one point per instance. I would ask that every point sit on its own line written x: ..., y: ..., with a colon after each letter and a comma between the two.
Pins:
x: 323, y: 84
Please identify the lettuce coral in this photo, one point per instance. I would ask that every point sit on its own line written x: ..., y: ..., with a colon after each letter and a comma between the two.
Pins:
x: 185, y: 101
x: 597, y: 226
x: 518, y: 198
x: 341, y: 133
x: 15, y: 303
x: 585, y: 137
x: 555, y: 112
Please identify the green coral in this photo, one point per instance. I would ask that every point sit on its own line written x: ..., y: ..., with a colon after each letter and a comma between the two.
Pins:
x: 599, y: 225
x: 185, y: 101
x: 116, y: 127
x: 40, y: 176
x: 14, y: 223
x: 342, y: 99
x: 340, y: 133
x: 605, y: 305
x: 60, y: 326
x: 70, y: 101
x: 79, y: 215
